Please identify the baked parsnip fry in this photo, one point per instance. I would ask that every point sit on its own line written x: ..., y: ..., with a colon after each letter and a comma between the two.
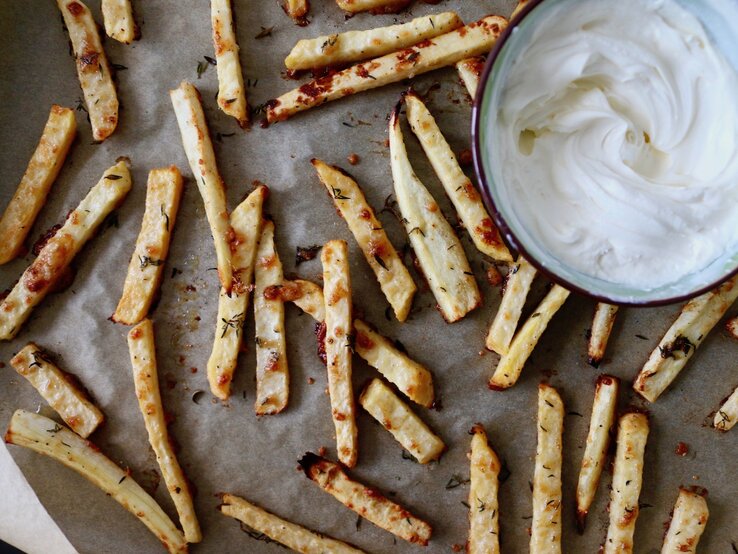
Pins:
x: 519, y: 8
x: 353, y: 46
x: 146, y: 380
x: 484, y: 526
x: 365, y: 501
x: 439, y: 252
x: 45, y: 436
x: 687, y: 523
x: 375, y: 6
x: 394, y: 278
x: 200, y: 154
x: 57, y: 254
x: 517, y: 286
x: 458, y: 187
x: 272, y: 371
x: 246, y: 221
x: 627, y: 479
x: 118, y: 20
x: 447, y: 49
x: 307, y: 296
x: 598, y: 442
x: 727, y: 416
x: 58, y: 389
x: 42, y: 170
x: 732, y: 327
x: 338, y: 347
x: 695, y: 321
x: 511, y: 364
x: 297, y: 10
x: 470, y: 71
x: 412, y: 379
x: 602, y: 323
x: 93, y: 68
x: 231, y: 92
x: 545, y: 534
x: 394, y: 415
x: 163, y: 192
x: 291, y: 535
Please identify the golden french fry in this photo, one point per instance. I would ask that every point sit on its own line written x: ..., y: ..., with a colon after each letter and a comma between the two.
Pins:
x: 231, y: 92
x: 199, y: 150
x: 353, y: 46
x: 56, y: 387
x: 687, y: 523
x: 458, y: 187
x: 602, y: 323
x: 375, y: 6
x: 695, y: 321
x: 545, y: 534
x: 484, y: 526
x: 517, y: 286
x: 289, y: 534
x: 45, y: 436
x: 511, y: 364
x: 163, y: 192
x: 307, y: 296
x: 42, y: 170
x: 598, y: 441
x: 439, y: 252
x: 93, y: 68
x: 394, y: 278
x: 727, y: 416
x: 447, y: 49
x: 338, y: 346
x: 246, y: 222
x: 118, y: 20
x: 627, y: 479
x: 57, y: 254
x: 394, y: 415
x: 470, y: 71
x: 365, y: 501
x: 272, y: 372
x: 142, y: 350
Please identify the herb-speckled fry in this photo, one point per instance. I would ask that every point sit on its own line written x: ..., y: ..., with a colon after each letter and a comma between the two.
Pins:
x: 484, y: 526
x: 231, y: 92
x: 727, y: 416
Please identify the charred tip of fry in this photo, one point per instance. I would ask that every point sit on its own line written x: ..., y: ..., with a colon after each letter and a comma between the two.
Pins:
x: 308, y: 460
x: 395, y: 113
x: 607, y: 380
x: 581, y: 517
x: 476, y: 429
x: 497, y: 387
x: 594, y: 361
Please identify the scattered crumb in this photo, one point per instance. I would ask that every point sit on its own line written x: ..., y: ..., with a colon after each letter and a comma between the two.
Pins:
x: 310, y: 380
x: 494, y: 278
x: 353, y: 158
x: 322, y: 451
x: 682, y: 449
x: 465, y: 157
x: 193, y: 370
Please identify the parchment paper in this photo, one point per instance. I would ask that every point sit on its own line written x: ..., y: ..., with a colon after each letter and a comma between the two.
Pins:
x: 225, y: 447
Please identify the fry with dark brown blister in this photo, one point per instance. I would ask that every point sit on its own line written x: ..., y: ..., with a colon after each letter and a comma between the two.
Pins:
x: 484, y: 526
x: 688, y: 521
x: 231, y: 92
x: 42, y: 170
x: 604, y: 318
x: 365, y: 501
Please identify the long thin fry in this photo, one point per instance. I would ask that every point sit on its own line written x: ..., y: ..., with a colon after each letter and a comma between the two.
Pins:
x: 40, y: 174
x: 447, y: 49
x: 272, y: 371
x: 687, y: 524
x: 146, y: 380
x: 727, y: 416
x: 338, y: 346
x: 118, y: 20
x: 545, y: 534
x: 163, y: 192
x: 289, y: 534
x: 458, y: 186
x: 627, y: 479
x: 199, y: 149
x: 93, y: 69
x: 375, y: 6
x: 598, y: 441
x: 352, y: 46
x: 470, y: 71
x: 511, y: 364
x: 365, y: 501
x: 58, y: 389
x: 602, y: 323
x: 408, y: 429
x: 246, y: 222
x: 394, y: 278
x: 519, y: 280
x: 45, y: 436
x: 231, y: 92
x: 41, y: 276
x: 695, y: 321
x: 484, y: 526
x: 439, y: 252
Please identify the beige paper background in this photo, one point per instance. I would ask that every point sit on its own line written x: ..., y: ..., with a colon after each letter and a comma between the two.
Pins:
x: 226, y: 448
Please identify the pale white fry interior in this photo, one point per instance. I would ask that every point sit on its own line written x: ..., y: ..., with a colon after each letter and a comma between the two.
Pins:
x: 118, y: 20
x: 602, y: 323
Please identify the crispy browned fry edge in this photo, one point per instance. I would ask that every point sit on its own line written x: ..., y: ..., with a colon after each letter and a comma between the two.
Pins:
x: 231, y: 90
x: 604, y: 318
x: 297, y: 10
x: 687, y: 524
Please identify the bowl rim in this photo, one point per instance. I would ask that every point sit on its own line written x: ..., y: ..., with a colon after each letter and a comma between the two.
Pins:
x: 502, y: 225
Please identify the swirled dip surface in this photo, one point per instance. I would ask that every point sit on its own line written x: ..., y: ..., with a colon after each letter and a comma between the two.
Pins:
x: 618, y: 133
